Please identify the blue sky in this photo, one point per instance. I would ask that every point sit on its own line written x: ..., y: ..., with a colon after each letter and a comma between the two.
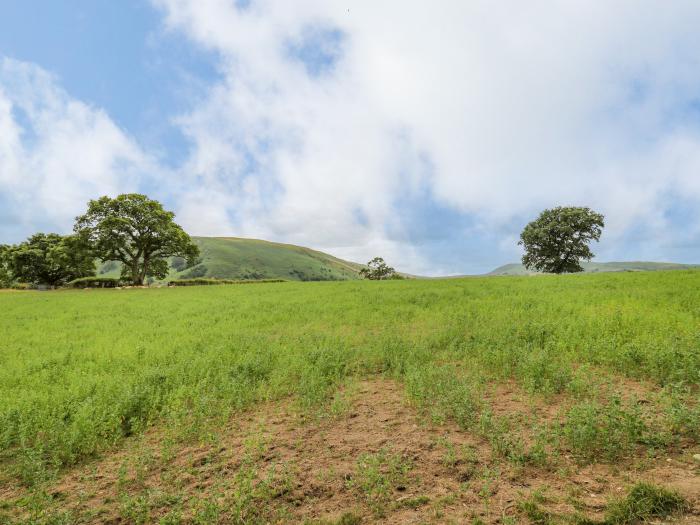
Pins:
x: 429, y: 136
x: 115, y: 56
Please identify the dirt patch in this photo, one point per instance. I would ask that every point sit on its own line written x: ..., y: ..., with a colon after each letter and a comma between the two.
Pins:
x: 376, y: 459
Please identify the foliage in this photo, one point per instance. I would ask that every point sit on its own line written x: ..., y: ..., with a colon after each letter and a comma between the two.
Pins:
x: 377, y: 270
x: 5, y: 274
x: 206, y: 282
x: 558, y: 239
x: 136, y: 231
x: 94, y: 282
x: 51, y: 259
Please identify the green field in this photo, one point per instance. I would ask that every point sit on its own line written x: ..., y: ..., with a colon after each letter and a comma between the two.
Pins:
x: 516, y: 385
x: 240, y: 259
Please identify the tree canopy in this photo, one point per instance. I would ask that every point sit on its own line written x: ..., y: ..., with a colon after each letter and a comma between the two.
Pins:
x: 136, y: 231
x: 49, y: 258
x: 5, y: 274
x: 377, y: 270
x: 558, y: 239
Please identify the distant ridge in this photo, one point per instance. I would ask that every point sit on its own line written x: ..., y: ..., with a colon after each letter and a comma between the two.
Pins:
x: 593, y: 267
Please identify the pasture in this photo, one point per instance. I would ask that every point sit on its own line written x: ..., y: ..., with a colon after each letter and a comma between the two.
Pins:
x: 544, y: 399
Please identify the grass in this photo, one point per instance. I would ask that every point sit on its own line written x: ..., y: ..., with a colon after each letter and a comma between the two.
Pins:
x: 81, y: 371
x: 643, y: 502
x: 378, y: 476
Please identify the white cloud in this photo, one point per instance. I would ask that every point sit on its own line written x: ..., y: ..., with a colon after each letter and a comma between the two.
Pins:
x: 515, y: 106
x: 56, y: 153
x: 494, y: 111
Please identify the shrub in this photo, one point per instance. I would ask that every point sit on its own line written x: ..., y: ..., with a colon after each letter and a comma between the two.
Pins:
x: 94, y: 282
x: 205, y: 282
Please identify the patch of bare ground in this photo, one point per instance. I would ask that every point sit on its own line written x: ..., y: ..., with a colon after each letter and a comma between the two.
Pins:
x: 378, y: 460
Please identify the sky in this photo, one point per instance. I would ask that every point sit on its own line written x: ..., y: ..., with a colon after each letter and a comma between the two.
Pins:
x: 428, y: 133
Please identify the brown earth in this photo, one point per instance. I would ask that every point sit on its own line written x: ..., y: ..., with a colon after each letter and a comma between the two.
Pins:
x: 300, y: 468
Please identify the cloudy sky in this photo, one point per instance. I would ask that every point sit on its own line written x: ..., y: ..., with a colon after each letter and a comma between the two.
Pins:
x: 425, y: 132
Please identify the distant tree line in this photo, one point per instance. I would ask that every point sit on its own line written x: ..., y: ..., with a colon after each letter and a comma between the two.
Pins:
x: 130, y: 229
x: 138, y: 233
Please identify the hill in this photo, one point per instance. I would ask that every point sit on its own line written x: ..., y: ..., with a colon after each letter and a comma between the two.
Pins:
x: 236, y: 258
x: 593, y: 267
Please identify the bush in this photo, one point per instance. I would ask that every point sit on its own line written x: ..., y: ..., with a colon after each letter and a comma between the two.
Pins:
x: 94, y: 282
x: 206, y: 282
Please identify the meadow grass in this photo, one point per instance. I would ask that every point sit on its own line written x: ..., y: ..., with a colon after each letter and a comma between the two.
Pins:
x: 82, y: 370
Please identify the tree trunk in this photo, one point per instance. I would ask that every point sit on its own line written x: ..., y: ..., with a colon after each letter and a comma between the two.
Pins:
x: 136, y: 279
x: 144, y: 270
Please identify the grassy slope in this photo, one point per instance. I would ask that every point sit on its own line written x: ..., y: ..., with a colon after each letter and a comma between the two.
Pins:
x: 519, y: 269
x: 235, y: 258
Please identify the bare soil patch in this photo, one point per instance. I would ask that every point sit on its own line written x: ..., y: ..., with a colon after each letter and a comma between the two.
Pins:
x: 312, y: 468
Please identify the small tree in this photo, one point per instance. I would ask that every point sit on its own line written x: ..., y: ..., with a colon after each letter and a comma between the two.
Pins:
x: 136, y: 231
x: 377, y: 270
x: 558, y: 239
x: 49, y: 258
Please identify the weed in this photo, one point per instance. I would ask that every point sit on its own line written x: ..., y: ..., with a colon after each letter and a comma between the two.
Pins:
x: 377, y: 476
x: 413, y: 503
x: 531, y: 509
x: 644, y: 501
x: 610, y: 431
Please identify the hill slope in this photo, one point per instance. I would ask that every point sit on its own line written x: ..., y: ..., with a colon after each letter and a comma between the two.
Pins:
x: 590, y: 267
x: 235, y: 258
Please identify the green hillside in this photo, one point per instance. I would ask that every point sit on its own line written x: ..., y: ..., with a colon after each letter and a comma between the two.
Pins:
x: 592, y: 267
x: 235, y: 258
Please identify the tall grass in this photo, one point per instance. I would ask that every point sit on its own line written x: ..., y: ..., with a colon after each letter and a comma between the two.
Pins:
x: 81, y: 370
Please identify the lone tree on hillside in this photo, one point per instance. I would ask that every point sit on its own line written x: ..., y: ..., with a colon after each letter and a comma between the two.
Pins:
x: 558, y: 239
x: 136, y: 231
x: 377, y: 270
x: 49, y: 258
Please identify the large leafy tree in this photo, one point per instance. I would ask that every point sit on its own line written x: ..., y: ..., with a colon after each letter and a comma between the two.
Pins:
x: 49, y: 258
x: 558, y: 239
x: 5, y: 274
x: 377, y: 270
x: 136, y: 231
